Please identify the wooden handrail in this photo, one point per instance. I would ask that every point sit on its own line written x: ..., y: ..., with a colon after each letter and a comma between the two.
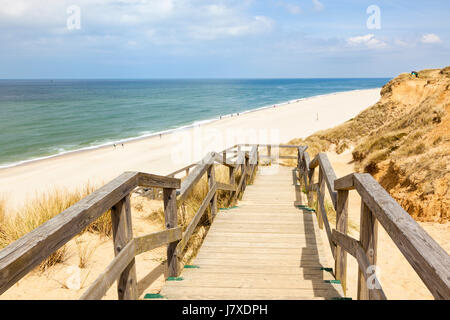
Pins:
x: 429, y: 260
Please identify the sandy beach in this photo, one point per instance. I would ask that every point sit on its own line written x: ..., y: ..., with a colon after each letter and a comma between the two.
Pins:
x: 162, y: 155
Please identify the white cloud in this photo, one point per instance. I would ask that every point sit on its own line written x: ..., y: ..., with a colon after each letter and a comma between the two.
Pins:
x: 368, y: 40
x: 290, y: 7
x: 256, y: 25
x: 431, y: 38
x: 318, y: 6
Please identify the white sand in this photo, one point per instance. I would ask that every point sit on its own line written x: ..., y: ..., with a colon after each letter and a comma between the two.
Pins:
x: 172, y: 151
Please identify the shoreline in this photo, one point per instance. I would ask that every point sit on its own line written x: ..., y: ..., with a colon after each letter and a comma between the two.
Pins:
x: 168, y: 131
x: 182, y: 147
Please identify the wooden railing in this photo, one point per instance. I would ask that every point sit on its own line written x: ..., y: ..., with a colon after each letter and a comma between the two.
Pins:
x: 429, y: 260
x: 21, y: 256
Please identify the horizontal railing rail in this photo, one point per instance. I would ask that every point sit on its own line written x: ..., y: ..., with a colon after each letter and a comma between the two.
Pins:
x: 430, y: 261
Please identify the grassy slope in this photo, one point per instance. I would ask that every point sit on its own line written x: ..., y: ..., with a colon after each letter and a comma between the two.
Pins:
x: 404, y: 141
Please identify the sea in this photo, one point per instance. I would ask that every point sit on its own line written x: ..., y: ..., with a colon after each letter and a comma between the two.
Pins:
x: 44, y: 118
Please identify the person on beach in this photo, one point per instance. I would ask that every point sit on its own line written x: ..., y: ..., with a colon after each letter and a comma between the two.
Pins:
x: 114, y: 145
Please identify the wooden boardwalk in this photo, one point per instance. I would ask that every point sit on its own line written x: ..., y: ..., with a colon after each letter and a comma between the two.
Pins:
x: 265, y: 248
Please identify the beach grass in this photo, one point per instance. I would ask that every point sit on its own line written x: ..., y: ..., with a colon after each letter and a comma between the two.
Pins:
x: 16, y: 224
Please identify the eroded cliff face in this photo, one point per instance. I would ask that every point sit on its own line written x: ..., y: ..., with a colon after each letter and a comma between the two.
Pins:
x: 404, y: 141
x: 415, y: 168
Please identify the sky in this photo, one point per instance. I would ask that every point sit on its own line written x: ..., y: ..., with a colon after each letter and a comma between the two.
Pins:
x: 221, y: 38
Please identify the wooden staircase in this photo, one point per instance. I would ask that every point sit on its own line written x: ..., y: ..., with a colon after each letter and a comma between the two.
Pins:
x: 266, y: 248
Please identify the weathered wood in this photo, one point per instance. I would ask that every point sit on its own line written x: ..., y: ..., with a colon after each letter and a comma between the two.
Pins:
x: 344, y: 183
x: 171, y: 220
x: 329, y: 176
x: 21, y: 256
x: 211, y: 185
x: 195, y: 220
x: 340, y: 265
x: 225, y: 186
x: 112, y: 272
x: 368, y: 238
x: 281, y: 249
x: 298, y: 192
x: 428, y: 259
x: 320, y: 195
x: 222, y: 160
x: 354, y: 247
x: 188, y: 184
x: 123, y: 234
x: 279, y: 157
x: 157, y: 239
x: 324, y: 218
x: 173, y: 174
x: 241, y: 158
x: 154, y: 181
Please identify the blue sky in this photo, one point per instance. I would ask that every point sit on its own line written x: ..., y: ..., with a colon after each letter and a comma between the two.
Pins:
x: 221, y: 38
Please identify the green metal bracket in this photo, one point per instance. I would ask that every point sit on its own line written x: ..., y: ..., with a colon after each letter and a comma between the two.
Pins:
x: 175, y: 279
x: 303, y: 207
x: 341, y: 298
x: 326, y: 269
x: 188, y: 266
x: 333, y: 281
x: 225, y: 209
x: 153, y: 296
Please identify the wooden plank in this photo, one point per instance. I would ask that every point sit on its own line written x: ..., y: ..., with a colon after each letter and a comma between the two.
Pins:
x: 195, y: 220
x: 241, y: 262
x: 368, y: 238
x: 122, y: 235
x: 212, y: 185
x: 344, y: 183
x: 323, y: 214
x: 112, y: 272
x: 196, y: 174
x: 171, y: 220
x: 354, y: 247
x: 193, y: 293
x: 429, y: 260
x: 157, y: 239
x: 261, y: 250
x: 340, y: 265
x: 329, y: 176
x: 154, y: 181
x: 173, y: 174
x: 259, y: 258
x: 222, y: 160
x: 225, y: 186
x: 259, y: 270
x: 21, y: 256
x: 250, y: 281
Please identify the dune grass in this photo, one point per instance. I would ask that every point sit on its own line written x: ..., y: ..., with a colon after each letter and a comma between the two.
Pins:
x: 16, y: 224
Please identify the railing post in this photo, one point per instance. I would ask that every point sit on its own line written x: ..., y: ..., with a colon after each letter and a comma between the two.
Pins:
x: 340, y: 265
x: 122, y: 234
x: 170, y: 215
x: 320, y: 194
x: 309, y: 187
x: 269, y: 153
x: 211, y: 183
x: 368, y: 239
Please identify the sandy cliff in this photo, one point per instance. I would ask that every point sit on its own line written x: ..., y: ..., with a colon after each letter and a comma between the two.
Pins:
x: 404, y: 141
